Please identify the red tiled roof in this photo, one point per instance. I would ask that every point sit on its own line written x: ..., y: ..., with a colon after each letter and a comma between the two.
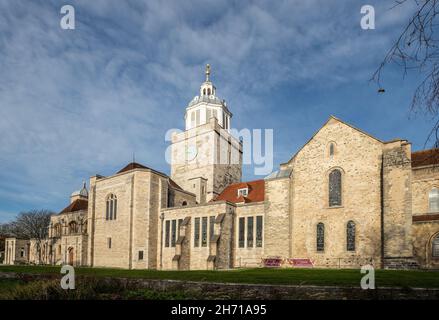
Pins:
x: 132, y: 166
x: 77, y: 205
x: 256, y: 192
x: 425, y: 157
x: 426, y: 217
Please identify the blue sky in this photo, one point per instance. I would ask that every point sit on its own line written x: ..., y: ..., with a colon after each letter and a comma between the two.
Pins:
x: 74, y: 103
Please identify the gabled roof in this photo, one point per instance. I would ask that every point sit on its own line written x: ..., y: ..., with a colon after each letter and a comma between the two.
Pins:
x: 135, y: 165
x: 132, y: 166
x: 174, y: 185
x: 425, y: 158
x: 332, y: 118
x: 256, y: 192
x: 77, y: 205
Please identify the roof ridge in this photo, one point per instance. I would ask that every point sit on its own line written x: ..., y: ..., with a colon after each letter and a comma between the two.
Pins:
x: 322, y: 126
x: 75, y: 206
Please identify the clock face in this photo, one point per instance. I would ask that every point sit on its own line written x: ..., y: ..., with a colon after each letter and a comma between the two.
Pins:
x: 191, y: 153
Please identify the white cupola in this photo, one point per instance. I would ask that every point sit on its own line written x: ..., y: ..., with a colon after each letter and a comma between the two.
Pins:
x: 206, y: 106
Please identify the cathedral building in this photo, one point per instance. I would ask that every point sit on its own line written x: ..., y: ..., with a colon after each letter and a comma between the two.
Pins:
x: 344, y: 200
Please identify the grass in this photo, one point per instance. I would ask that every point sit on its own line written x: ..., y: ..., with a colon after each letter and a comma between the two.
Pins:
x: 320, y: 277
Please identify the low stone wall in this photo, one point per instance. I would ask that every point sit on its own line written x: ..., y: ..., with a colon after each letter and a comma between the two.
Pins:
x: 257, y: 291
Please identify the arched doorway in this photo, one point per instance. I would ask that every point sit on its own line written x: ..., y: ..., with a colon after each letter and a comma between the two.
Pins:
x: 70, y: 256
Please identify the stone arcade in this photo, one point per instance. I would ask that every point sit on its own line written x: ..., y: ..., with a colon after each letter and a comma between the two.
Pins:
x: 345, y: 199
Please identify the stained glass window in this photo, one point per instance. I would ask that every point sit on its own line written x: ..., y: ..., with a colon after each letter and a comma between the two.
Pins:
x: 249, y: 232
x: 335, y: 188
x: 197, y: 232
x: 259, y: 231
x: 436, y: 247
x: 173, y: 232
x: 204, y: 232
x: 350, y: 236
x: 241, y: 232
x: 320, y: 237
x: 167, y: 229
x: 211, y: 226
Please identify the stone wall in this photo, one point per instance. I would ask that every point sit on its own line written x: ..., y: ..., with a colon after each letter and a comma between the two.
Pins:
x: 249, y: 256
x: 64, y: 219
x: 423, y: 234
x: 277, y: 218
x: 196, y: 258
x: 16, y: 251
x: 141, y: 194
x: 397, y: 200
x: 119, y: 230
x: 358, y: 156
x: 203, y: 152
x: 424, y: 179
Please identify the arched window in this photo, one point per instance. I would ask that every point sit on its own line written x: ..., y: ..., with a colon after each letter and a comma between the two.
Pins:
x: 58, y: 230
x: 111, y: 211
x: 335, y: 188
x: 73, y: 227
x: 331, y: 149
x: 184, y: 203
x: 433, y: 200
x: 320, y: 237
x: 435, y: 247
x: 350, y: 236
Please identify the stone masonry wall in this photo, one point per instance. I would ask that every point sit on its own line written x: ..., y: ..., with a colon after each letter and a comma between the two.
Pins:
x: 423, y: 235
x: 198, y: 256
x: 203, y: 152
x: 277, y: 233
x: 358, y: 156
x: 397, y: 200
x: 248, y: 256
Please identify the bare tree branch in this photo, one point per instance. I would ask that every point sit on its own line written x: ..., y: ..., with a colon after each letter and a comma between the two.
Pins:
x: 417, y: 49
x: 32, y: 224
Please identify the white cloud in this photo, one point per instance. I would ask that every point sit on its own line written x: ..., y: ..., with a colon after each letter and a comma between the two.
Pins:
x: 75, y: 103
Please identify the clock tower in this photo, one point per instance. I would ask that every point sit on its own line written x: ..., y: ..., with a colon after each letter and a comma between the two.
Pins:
x: 206, y: 157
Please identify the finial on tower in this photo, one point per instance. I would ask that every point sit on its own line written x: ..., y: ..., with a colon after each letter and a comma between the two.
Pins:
x: 207, y: 72
x: 84, y: 192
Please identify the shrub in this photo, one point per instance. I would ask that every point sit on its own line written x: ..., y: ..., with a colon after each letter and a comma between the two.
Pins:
x: 86, y: 289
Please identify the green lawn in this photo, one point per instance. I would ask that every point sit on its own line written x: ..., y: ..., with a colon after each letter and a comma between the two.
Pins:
x: 327, y: 277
